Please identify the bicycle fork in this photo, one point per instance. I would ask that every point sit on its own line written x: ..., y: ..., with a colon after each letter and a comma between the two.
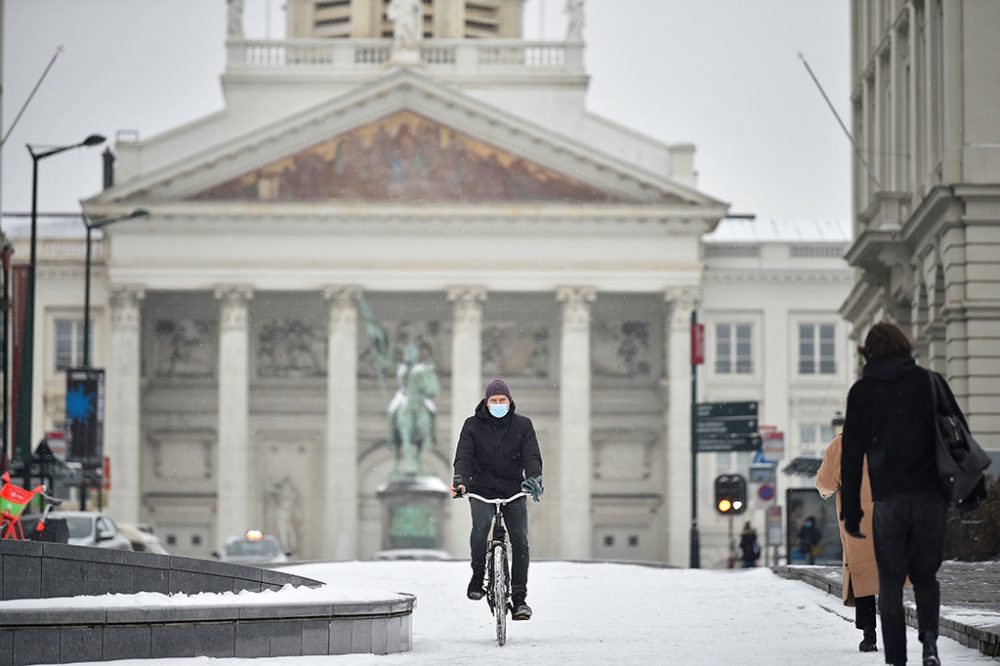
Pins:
x: 497, y: 542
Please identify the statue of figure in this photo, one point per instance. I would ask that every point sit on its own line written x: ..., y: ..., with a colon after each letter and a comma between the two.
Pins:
x: 282, y: 500
x: 412, y: 412
x: 407, y: 17
x: 234, y: 19
x: 574, y: 25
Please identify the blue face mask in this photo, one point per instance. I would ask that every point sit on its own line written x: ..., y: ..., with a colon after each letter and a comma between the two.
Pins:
x: 499, y: 411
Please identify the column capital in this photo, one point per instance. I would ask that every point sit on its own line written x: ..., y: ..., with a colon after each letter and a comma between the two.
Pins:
x: 576, y: 303
x: 233, y: 300
x: 343, y: 305
x: 467, y: 294
x: 125, y: 300
x: 682, y: 297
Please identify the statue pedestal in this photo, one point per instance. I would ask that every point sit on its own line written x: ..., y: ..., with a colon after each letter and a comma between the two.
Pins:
x: 413, y: 512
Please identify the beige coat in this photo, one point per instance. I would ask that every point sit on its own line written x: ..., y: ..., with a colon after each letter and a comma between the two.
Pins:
x: 860, y: 570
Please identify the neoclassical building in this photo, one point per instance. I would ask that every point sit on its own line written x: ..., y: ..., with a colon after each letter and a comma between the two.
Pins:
x: 927, y: 189
x: 455, y: 183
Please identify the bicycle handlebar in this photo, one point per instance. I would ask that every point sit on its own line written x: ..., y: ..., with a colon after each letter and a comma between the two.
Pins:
x: 496, y: 501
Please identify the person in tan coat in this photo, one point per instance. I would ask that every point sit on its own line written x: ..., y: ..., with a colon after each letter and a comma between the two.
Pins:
x: 860, y: 569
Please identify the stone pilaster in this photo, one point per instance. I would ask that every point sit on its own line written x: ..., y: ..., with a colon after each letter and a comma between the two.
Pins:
x: 339, y: 522
x: 233, y: 445
x: 466, y: 391
x: 575, y: 467
x: 677, y: 494
x: 124, y: 407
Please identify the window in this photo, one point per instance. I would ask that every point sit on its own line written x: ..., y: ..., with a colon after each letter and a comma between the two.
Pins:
x: 69, y: 343
x: 813, y: 437
x: 733, y: 348
x: 817, y: 349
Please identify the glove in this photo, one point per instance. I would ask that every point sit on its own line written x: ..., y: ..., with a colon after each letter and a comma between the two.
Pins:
x: 852, y: 524
x: 533, y: 485
x: 458, y: 488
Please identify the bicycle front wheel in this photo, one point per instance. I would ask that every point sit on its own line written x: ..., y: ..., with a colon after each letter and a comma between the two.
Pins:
x: 499, y: 584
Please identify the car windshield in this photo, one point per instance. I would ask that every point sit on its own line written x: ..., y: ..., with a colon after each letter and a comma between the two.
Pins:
x: 244, y: 548
x: 79, y: 526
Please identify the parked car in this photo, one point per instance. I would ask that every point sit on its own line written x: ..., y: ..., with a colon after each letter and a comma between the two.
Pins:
x: 254, y: 547
x: 87, y: 528
x: 141, y: 536
x: 412, y: 554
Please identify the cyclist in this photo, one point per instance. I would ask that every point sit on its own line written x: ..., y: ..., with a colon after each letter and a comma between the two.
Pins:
x: 497, y: 457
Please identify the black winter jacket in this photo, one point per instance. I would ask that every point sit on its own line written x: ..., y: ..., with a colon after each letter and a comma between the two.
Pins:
x: 890, y: 418
x: 495, y: 455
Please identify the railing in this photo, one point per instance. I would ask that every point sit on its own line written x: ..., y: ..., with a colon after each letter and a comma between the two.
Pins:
x: 458, y: 56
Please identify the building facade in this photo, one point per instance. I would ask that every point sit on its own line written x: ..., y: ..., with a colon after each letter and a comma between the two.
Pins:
x: 460, y: 188
x: 927, y: 189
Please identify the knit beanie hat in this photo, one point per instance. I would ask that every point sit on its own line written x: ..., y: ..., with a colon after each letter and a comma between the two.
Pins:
x: 498, y: 387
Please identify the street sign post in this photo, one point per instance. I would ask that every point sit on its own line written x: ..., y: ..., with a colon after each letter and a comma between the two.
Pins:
x: 726, y: 426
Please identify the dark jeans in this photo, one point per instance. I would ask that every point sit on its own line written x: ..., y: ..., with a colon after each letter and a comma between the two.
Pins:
x: 864, y: 612
x: 909, y: 541
x: 515, y: 517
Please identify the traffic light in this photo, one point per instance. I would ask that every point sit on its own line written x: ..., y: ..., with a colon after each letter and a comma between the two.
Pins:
x: 730, y: 494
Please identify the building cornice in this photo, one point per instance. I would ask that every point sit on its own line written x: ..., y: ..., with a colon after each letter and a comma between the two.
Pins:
x: 790, y: 276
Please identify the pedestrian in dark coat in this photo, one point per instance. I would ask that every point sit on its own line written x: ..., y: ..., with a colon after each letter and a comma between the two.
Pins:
x: 809, y: 538
x: 749, y: 547
x: 497, y: 457
x: 890, y: 419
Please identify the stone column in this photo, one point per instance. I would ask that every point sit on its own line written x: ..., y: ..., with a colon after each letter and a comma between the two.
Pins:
x: 124, y: 406
x: 466, y: 391
x: 677, y: 494
x: 339, y: 522
x: 575, y: 468
x: 232, y: 467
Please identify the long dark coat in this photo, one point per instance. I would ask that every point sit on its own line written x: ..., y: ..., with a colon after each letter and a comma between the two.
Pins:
x: 494, y: 455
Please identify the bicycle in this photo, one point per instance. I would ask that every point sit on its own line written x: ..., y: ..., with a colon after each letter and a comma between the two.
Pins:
x: 13, y: 501
x: 497, y: 570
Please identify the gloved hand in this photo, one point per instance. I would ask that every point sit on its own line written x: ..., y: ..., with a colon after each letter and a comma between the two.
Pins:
x: 458, y: 488
x: 533, y: 485
x: 852, y: 524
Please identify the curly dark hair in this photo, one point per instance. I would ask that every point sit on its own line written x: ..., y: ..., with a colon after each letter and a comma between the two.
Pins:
x: 884, y: 339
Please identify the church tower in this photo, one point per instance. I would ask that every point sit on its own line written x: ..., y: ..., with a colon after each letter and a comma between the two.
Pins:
x: 443, y: 19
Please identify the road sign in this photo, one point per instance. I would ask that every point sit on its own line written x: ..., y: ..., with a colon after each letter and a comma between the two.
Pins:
x: 726, y: 426
x: 766, y: 492
x: 773, y: 446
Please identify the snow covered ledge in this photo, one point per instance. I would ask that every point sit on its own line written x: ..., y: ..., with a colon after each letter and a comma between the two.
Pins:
x: 113, y: 613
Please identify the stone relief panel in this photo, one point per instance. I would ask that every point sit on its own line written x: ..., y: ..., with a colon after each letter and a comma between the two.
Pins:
x: 185, y: 348
x: 290, y: 348
x: 621, y: 349
x: 179, y: 462
x: 432, y: 338
x: 289, y: 487
x: 515, y: 350
x: 623, y: 455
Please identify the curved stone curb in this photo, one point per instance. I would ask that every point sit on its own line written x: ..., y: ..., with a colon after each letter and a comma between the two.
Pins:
x: 33, y: 570
x: 30, y: 570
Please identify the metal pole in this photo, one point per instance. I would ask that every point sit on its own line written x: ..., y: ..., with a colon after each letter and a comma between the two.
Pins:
x: 5, y: 323
x: 695, y: 541
x: 86, y: 302
x: 22, y: 443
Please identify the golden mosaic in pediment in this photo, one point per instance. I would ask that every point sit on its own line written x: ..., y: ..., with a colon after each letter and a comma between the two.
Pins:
x: 403, y: 157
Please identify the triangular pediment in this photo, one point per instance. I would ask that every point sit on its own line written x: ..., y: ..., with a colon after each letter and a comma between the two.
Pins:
x: 403, y: 139
x: 404, y: 157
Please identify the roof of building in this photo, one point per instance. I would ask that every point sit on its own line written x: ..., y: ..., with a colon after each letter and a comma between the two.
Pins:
x: 738, y: 230
x: 50, y: 225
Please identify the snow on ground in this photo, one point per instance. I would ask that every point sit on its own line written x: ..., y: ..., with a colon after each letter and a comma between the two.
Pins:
x: 596, y: 614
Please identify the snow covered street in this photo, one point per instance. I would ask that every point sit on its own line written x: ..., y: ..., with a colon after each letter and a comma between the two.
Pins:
x: 608, y: 613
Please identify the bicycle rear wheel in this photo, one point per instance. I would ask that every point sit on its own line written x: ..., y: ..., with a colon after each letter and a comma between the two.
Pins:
x: 499, y: 587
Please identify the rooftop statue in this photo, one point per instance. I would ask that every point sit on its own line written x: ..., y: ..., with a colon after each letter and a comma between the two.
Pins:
x: 234, y: 19
x: 407, y: 17
x: 574, y: 24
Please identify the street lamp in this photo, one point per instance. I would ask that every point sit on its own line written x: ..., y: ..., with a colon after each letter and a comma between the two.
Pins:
x: 91, y: 225
x: 22, y: 438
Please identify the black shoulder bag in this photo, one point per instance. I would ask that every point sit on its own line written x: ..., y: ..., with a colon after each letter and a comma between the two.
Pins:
x: 960, y: 460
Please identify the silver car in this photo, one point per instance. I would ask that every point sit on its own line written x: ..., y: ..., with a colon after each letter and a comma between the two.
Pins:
x: 91, y: 528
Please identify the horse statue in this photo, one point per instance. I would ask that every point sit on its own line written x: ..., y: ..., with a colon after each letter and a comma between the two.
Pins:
x: 412, y: 413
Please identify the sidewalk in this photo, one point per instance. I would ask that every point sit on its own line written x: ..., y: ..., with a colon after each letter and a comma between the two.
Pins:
x: 970, y: 599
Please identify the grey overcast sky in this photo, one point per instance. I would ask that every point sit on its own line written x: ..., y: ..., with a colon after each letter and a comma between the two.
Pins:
x: 722, y: 74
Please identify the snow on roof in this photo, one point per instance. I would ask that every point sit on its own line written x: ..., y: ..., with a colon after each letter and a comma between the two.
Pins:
x: 59, y: 225
x: 728, y: 231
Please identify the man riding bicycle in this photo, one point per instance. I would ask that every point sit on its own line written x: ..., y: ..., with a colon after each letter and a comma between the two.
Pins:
x: 497, y: 457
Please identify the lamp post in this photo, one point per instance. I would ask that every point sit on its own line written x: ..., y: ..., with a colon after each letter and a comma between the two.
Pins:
x: 91, y: 225
x: 5, y: 253
x: 22, y: 436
